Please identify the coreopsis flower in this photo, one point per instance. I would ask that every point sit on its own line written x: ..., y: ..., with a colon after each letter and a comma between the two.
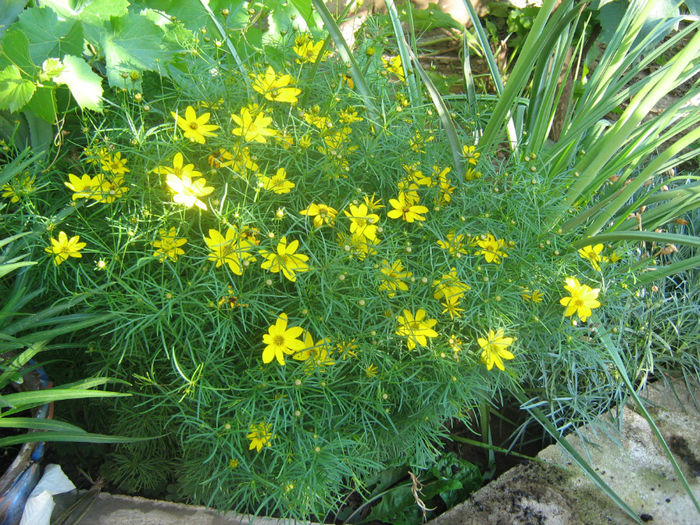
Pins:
x: 393, y: 65
x: 96, y: 154
x: 371, y: 370
x: 306, y: 49
x: 317, y: 355
x: 592, y: 254
x: 281, y: 340
x: 362, y: 222
x: 195, y: 128
x: 394, y: 275
x: 168, y: 246
x: 417, y: 142
x: 252, y: 129
x: 493, y: 349
x: 416, y: 328
x: 582, y: 301
x: 471, y: 155
x: 491, y: 248
x: 233, y: 249
x: 179, y: 168
x: 449, y: 288
x: 322, y: 214
x: 109, y: 189
x: 452, y: 307
x: 63, y: 248
x: 19, y: 189
x: 358, y: 245
x: 417, y: 176
x: 313, y: 117
x: 373, y: 204
x: 278, y: 183
x: 409, y: 188
x: 285, y: 259
x: 114, y: 164
x: 84, y: 187
x: 188, y: 191
x: 348, y: 116
x: 405, y: 210
x: 259, y: 436
x: 535, y: 295
x: 337, y: 143
x: 455, y: 244
x: 275, y: 88
x: 346, y: 348
x: 472, y: 174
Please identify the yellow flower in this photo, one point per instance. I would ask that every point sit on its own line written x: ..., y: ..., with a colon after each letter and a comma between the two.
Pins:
x: 109, y: 190
x: 373, y: 204
x: 322, y: 214
x: 314, y: 117
x: 187, y: 190
x: 371, y: 370
x: 22, y: 188
x: 83, y: 187
x: 471, y: 155
x: 348, y: 116
x: 491, y: 248
x: 62, y: 248
x: 362, y: 222
x: 394, y: 274
x: 233, y: 249
x: 455, y: 244
x: 168, y: 246
x: 115, y: 164
x: 259, y: 436
x: 592, y: 255
x: 407, y: 211
x: 358, y: 245
x: 417, y: 142
x: 449, y: 287
x: 252, y: 130
x: 278, y: 183
x: 275, y: 88
x: 494, y: 349
x: 281, y: 340
x: 233, y: 462
x: 582, y: 300
x: 285, y: 259
x: 452, y: 308
x: 472, y: 174
x: 535, y: 295
x: 306, y: 49
x: 179, y: 168
x: 315, y: 354
x: 393, y: 65
x: 195, y: 128
x: 416, y: 329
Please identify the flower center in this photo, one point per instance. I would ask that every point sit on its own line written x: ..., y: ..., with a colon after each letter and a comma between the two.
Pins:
x: 194, y: 125
x: 278, y: 340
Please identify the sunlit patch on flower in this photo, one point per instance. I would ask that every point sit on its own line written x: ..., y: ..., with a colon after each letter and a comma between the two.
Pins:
x: 393, y: 65
x: 493, y: 349
x: 233, y: 249
x: 417, y: 329
x: 187, y: 191
x: 252, y: 129
x: 471, y: 156
x: 280, y: 340
x: 19, y: 189
x: 592, y: 254
x: 195, y: 128
x: 321, y: 213
x: 169, y: 245
x: 532, y: 295
x: 179, y: 168
x: 259, y: 436
x: 114, y: 164
x: 63, y: 248
x: 408, y: 211
x: 285, y: 259
x: 491, y: 248
x: 278, y: 183
x: 582, y: 301
x: 394, y: 276
x: 277, y: 88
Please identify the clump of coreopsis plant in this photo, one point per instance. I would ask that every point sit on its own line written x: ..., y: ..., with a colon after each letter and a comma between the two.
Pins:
x: 304, y: 292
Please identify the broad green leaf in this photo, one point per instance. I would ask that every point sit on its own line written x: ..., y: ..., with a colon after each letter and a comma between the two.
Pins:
x: 8, y: 13
x: 77, y: 437
x: 43, y: 104
x: 305, y: 10
x: 49, y: 37
x: 90, y: 11
x: 25, y: 400
x: 15, y: 91
x: 134, y: 43
x: 38, y: 423
x: 14, y: 49
x: 85, y: 85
